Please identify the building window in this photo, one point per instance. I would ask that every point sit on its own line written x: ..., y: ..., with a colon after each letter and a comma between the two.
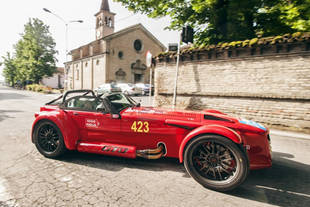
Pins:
x: 86, y: 64
x: 120, y: 75
x: 97, y: 62
x: 106, y: 20
x: 110, y: 24
x: 137, y: 45
x: 100, y: 22
x: 120, y: 54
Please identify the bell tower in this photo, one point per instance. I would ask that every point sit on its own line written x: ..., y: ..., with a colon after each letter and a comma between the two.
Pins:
x: 104, y: 21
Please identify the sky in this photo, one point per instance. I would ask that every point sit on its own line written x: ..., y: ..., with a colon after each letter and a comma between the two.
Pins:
x: 14, y: 14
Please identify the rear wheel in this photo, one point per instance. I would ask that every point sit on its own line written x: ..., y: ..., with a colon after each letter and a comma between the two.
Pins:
x: 216, y: 162
x: 48, y: 139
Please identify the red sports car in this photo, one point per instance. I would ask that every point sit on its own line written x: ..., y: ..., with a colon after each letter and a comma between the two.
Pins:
x: 217, y: 150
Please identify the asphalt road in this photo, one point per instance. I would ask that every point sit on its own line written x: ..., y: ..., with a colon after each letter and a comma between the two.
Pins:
x: 29, y: 179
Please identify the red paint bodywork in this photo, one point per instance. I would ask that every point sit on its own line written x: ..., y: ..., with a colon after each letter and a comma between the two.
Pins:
x: 91, y: 131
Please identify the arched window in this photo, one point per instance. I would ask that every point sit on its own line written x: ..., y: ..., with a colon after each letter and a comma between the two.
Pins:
x: 100, y: 22
x: 106, y: 20
x: 110, y: 22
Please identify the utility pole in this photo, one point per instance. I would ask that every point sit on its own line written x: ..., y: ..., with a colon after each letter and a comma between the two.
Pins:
x: 186, y: 36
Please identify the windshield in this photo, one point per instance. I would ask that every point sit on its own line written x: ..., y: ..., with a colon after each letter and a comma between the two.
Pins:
x: 121, y: 101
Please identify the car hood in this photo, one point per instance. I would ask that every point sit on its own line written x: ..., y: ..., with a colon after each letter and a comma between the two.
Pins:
x: 193, y: 119
x: 185, y: 115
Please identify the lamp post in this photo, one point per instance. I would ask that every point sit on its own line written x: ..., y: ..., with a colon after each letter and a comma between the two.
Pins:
x: 66, y: 38
x: 66, y: 25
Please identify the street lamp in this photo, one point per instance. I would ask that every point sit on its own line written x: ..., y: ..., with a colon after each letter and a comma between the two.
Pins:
x: 66, y: 25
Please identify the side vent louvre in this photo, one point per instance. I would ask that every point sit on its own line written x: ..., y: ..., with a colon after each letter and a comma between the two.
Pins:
x: 210, y: 117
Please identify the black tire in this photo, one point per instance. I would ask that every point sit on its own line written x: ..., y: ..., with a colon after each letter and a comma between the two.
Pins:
x: 48, y: 139
x: 216, y: 162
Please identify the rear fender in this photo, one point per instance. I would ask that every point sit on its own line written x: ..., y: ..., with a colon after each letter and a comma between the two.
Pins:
x: 64, y: 123
x: 210, y: 129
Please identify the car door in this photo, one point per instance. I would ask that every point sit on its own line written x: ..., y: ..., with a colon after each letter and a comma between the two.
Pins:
x: 143, y: 128
x: 93, y: 125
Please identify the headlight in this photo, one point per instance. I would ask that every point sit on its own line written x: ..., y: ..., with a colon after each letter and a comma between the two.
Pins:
x: 252, y: 123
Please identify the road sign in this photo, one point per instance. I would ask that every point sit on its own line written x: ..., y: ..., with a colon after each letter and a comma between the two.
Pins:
x: 148, y: 59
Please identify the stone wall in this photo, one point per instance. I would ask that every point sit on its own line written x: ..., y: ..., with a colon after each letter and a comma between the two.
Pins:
x: 266, y: 84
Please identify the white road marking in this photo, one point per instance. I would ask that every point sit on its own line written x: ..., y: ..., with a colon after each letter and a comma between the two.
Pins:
x: 284, y: 191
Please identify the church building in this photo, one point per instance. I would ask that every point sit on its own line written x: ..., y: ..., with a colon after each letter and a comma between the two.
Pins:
x: 114, y: 56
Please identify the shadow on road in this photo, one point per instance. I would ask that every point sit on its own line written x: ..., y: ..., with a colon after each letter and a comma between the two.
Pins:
x: 285, y: 184
x: 117, y: 163
x: 3, y: 114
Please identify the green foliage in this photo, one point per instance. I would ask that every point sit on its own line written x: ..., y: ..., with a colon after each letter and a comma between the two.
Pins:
x: 9, y: 70
x: 229, y: 20
x: 34, y: 55
x: 39, y: 88
x: 255, y: 42
x: 35, y: 52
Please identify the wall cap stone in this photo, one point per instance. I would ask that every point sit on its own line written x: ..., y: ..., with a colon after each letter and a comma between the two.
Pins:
x: 285, y: 44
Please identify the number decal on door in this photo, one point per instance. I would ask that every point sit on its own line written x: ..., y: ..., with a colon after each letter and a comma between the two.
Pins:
x: 140, y: 127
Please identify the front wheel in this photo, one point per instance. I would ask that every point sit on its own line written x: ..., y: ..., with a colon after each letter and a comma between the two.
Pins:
x: 216, y: 162
x: 48, y: 139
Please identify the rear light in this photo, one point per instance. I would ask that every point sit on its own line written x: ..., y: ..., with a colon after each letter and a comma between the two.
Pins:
x: 36, y: 115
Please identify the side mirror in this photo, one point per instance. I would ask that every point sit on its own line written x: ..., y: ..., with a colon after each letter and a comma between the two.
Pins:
x: 138, y: 105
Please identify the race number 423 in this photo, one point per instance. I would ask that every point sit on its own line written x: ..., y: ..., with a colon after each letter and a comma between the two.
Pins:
x: 140, y: 127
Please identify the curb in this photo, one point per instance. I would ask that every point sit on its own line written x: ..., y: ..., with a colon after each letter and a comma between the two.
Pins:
x: 289, y: 134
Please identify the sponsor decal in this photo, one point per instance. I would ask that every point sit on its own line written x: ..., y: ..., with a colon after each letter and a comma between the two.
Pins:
x: 108, y: 148
x: 92, y: 123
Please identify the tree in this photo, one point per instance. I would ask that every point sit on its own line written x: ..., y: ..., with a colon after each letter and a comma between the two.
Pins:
x: 283, y: 16
x: 229, y: 20
x: 35, y: 52
x: 9, y: 70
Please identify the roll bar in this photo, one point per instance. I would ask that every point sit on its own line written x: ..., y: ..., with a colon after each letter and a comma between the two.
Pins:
x: 85, y: 91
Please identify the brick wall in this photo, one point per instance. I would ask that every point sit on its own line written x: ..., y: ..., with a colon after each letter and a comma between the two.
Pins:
x: 272, y: 86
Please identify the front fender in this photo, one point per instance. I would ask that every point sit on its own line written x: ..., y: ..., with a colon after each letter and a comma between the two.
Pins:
x: 209, y: 129
x: 64, y: 123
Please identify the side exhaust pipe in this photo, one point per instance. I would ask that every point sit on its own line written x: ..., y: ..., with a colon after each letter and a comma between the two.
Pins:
x: 122, y: 150
x: 152, y: 154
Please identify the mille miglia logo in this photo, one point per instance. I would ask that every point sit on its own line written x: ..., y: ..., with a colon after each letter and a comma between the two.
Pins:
x: 108, y: 148
x: 91, y: 123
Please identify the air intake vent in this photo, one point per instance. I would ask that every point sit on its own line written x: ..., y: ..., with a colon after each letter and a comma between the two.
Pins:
x: 215, y: 118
